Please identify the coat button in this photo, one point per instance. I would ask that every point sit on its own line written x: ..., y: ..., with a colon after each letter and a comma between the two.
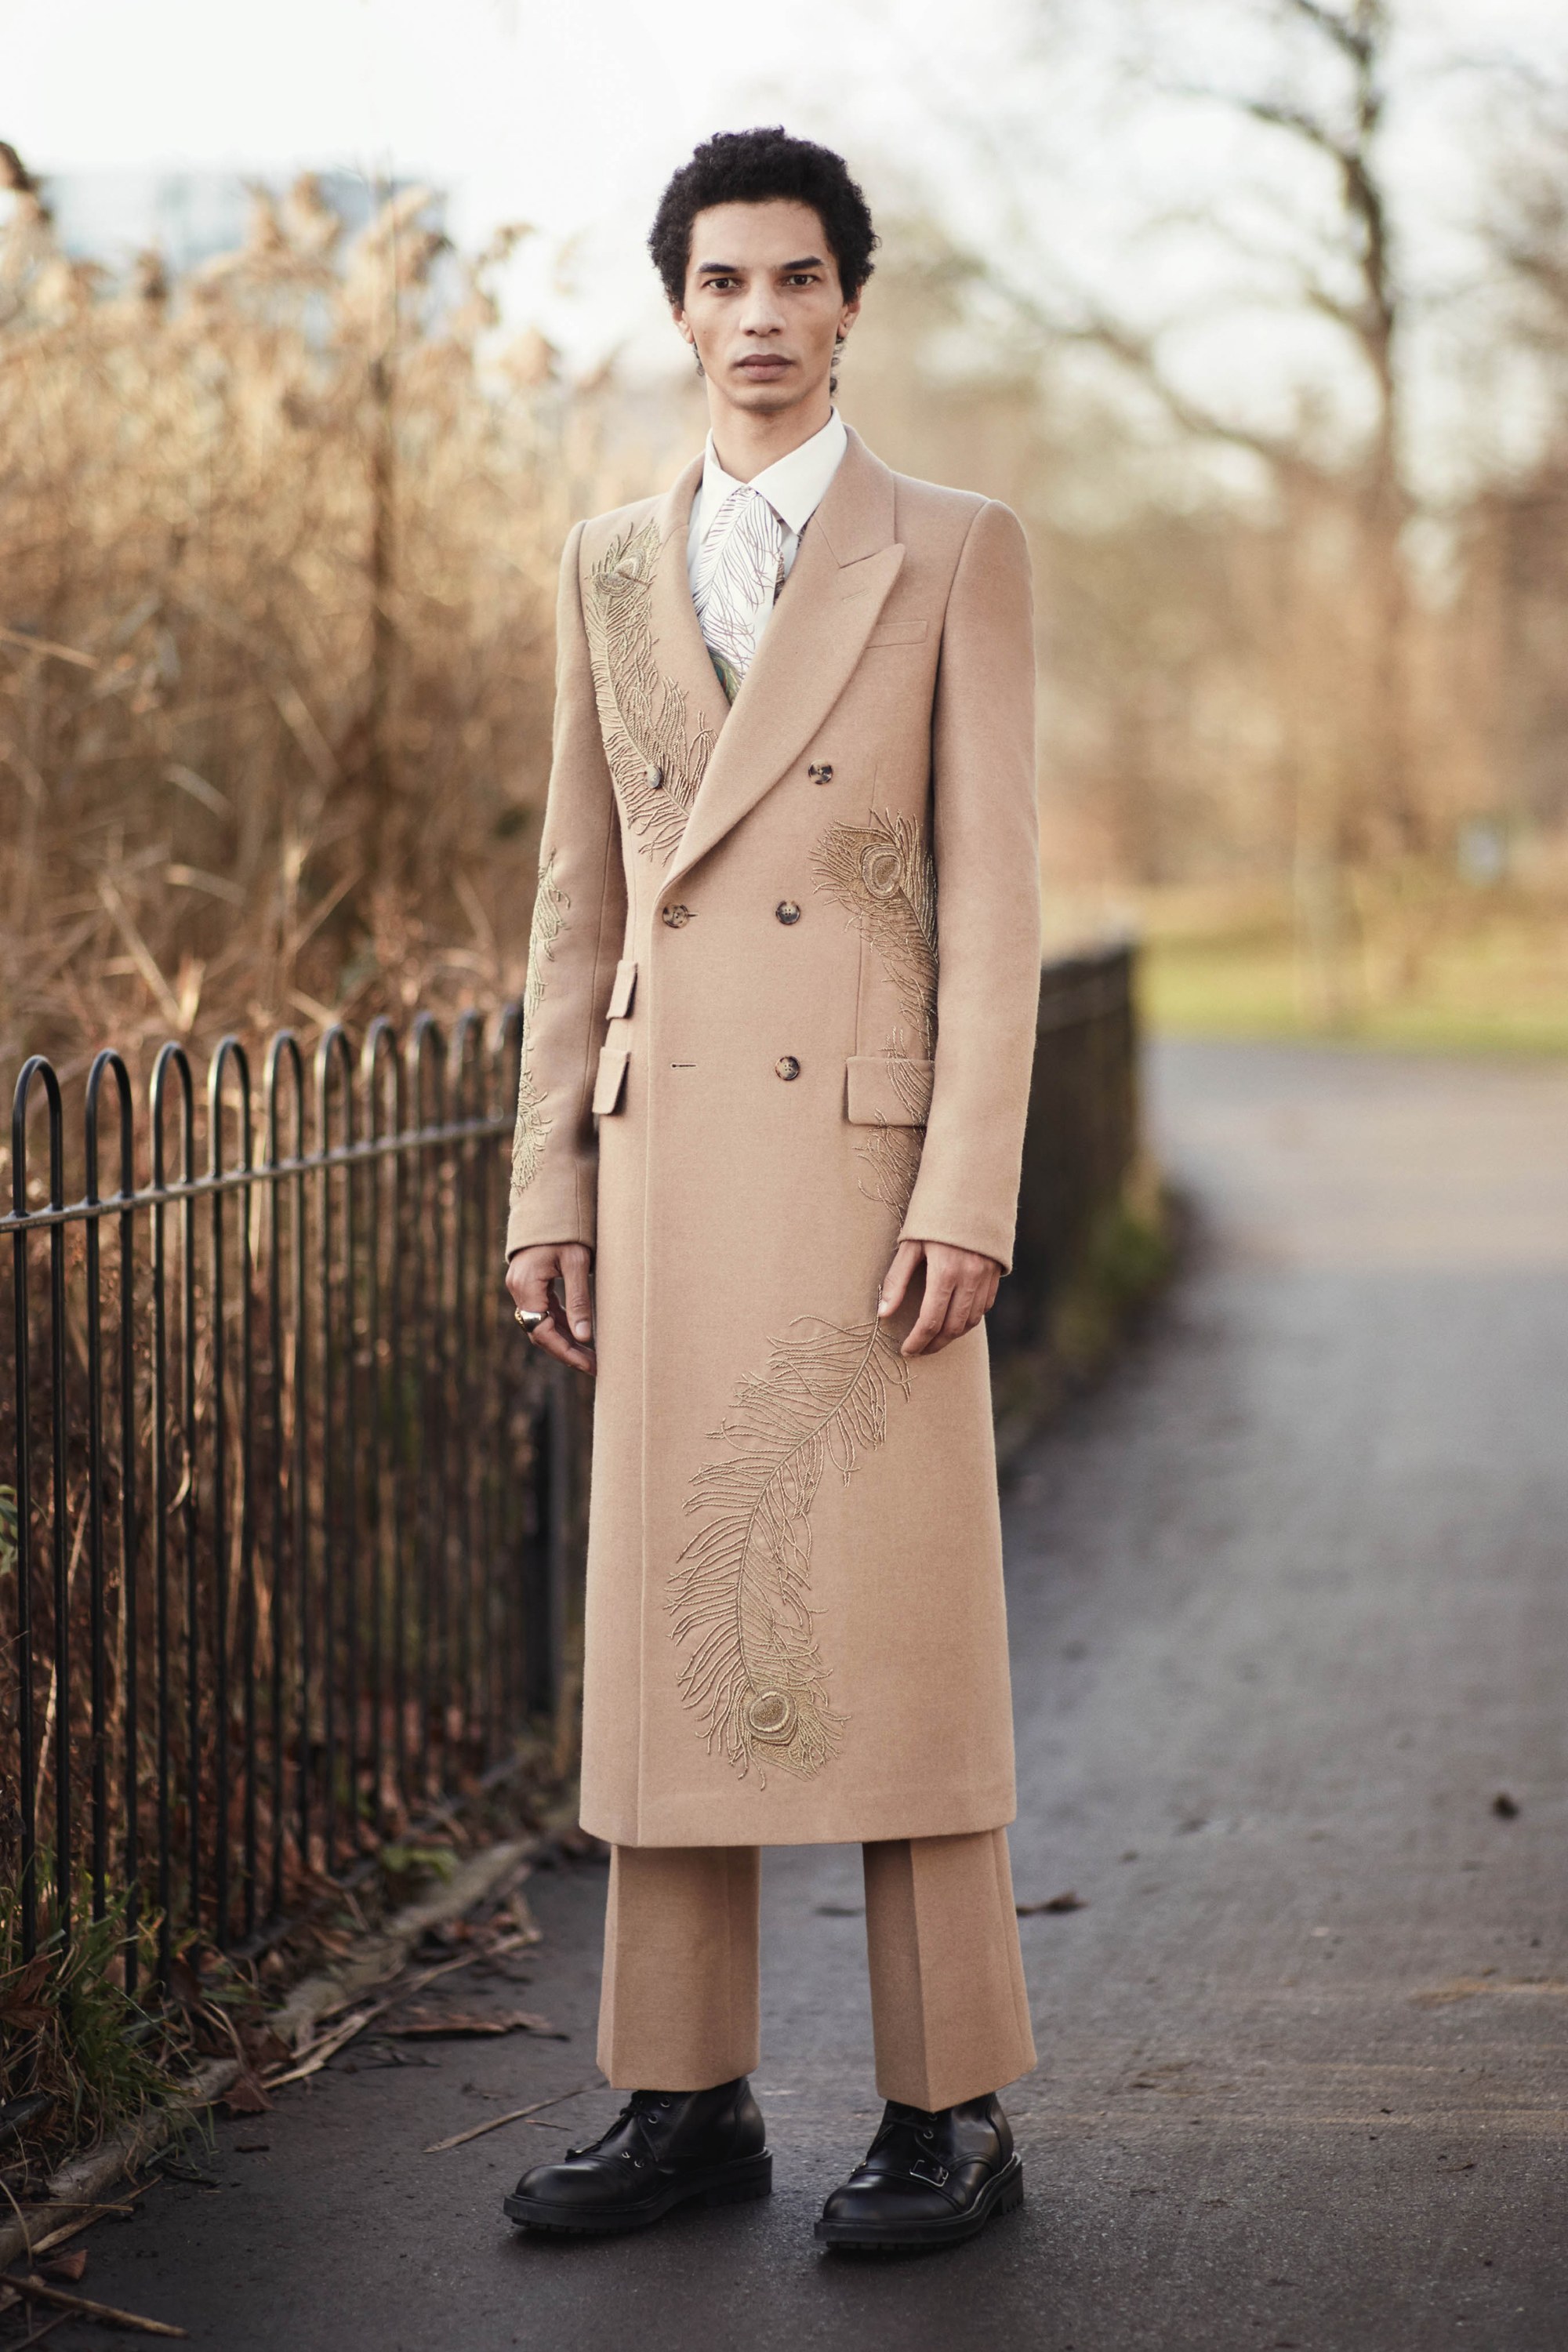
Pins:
x: 821, y: 774
x: 655, y: 777
x: 788, y: 912
x: 786, y: 1066
x: 676, y: 916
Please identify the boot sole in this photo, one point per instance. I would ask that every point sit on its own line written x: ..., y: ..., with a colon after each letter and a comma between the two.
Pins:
x: 1004, y: 2194
x: 748, y: 2178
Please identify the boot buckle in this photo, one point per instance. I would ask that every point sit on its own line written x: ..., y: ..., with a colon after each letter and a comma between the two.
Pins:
x: 926, y: 2168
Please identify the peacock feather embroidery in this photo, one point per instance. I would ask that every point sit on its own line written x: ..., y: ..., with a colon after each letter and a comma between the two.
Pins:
x: 891, y: 1157
x: 550, y: 907
x: 753, y: 1671
x: 883, y: 874
x: 657, y: 759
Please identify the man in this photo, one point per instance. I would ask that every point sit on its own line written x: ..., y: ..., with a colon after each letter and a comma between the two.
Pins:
x: 780, y: 1019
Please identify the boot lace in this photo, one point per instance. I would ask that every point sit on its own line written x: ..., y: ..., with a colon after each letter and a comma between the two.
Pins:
x: 638, y: 2109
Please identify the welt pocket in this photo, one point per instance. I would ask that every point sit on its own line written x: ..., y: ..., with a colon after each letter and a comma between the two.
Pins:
x: 898, y: 633
x: 610, y: 1083
x: 624, y: 989
x: 887, y: 1090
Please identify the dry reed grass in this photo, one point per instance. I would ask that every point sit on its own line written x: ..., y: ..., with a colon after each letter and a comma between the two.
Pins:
x: 276, y: 628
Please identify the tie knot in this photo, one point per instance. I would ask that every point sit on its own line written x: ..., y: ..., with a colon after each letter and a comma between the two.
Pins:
x: 757, y: 510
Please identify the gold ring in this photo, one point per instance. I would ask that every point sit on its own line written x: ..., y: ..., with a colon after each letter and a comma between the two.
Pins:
x: 530, y: 1321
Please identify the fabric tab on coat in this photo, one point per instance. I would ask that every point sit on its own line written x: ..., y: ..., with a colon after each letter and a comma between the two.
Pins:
x: 623, y: 991
x: 611, y: 1080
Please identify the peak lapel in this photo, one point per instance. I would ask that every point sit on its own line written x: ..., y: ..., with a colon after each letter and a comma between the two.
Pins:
x: 838, y: 585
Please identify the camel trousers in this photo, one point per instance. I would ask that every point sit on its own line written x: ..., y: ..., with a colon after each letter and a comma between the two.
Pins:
x: 950, y: 2012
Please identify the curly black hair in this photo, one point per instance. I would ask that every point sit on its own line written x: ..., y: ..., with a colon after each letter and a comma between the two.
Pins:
x: 755, y: 167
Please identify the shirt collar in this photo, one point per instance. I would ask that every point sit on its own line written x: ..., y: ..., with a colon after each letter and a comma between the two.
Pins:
x: 792, y: 486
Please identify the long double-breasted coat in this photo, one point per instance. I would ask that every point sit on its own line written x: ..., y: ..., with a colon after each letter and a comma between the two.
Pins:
x: 780, y: 1012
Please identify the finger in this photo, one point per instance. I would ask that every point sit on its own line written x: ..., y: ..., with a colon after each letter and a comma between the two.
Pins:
x: 964, y: 1311
x: 896, y: 1281
x: 958, y: 1318
x: 933, y: 1314
x: 574, y: 1283
x: 528, y: 1280
x: 551, y: 1341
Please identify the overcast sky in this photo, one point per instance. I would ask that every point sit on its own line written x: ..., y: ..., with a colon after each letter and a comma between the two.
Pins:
x: 570, y: 115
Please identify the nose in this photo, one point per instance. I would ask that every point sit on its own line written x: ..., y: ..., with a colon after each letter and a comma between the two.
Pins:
x: 761, y: 314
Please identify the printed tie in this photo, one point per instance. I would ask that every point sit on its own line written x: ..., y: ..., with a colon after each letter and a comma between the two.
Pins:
x: 740, y: 570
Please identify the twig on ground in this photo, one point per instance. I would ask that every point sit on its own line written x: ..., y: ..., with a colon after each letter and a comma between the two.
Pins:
x: 477, y: 2131
x: 36, y: 2290
x: 89, y: 2215
x: 327, y: 2047
x: 317, y: 2055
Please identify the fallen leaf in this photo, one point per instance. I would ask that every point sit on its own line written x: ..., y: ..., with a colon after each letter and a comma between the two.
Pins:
x: 263, y: 2047
x: 70, y: 2267
x: 1068, y: 1902
x: 435, y: 2023
x: 245, y: 2096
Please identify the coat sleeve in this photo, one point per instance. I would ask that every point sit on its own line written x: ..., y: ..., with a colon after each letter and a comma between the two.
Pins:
x: 579, y: 922
x: 985, y: 842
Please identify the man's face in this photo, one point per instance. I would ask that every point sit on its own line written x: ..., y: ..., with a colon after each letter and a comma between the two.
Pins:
x: 763, y: 304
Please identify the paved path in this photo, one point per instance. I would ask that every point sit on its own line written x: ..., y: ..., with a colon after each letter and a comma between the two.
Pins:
x: 1289, y: 1612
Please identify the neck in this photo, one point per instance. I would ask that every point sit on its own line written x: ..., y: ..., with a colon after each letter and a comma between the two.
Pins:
x: 747, y: 444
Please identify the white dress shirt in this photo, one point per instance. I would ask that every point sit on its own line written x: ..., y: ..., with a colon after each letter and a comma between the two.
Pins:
x: 792, y: 486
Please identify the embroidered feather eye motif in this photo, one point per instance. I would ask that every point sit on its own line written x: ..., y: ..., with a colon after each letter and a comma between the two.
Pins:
x: 883, y: 874
x: 881, y: 870
x: 741, y: 1597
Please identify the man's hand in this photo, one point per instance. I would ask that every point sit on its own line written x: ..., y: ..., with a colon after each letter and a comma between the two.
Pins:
x: 550, y: 1279
x: 959, y: 1289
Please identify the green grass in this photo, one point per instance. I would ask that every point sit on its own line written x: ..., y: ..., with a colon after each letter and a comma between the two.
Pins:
x: 73, y: 2036
x: 1457, y: 976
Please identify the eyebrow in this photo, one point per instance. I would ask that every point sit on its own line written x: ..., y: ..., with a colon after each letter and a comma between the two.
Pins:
x: 734, y: 268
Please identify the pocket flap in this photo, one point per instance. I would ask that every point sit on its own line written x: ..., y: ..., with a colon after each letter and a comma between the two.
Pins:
x: 889, y: 1090
x: 612, y: 1060
x: 623, y: 991
x: 908, y: 632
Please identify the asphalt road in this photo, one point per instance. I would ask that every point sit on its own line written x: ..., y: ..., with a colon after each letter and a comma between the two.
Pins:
x: 1289, y: 1615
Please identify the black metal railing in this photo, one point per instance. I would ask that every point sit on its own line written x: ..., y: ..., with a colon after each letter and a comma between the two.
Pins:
x: 285, y: 1557
x: 291, y: 1546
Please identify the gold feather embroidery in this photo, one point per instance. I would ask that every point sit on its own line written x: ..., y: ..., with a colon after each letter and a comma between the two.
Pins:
x: 883, y: 874
x: 656, y: 762
x: 549, y: 906
x: 892, y: 1156
x: 753, y: 1671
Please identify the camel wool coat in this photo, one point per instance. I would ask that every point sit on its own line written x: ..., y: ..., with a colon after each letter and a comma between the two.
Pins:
x: 780, y: 1012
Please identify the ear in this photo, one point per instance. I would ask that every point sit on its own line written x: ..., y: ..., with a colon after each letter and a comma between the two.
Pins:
x: 678, y: 312
x: 848, y: 316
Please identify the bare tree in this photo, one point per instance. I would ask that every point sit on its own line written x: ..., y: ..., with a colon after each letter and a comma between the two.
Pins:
x: 1347, y: 738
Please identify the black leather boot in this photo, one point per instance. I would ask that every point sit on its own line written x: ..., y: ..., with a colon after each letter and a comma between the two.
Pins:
x: 928, y: 2180
x: 664, y: 2148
